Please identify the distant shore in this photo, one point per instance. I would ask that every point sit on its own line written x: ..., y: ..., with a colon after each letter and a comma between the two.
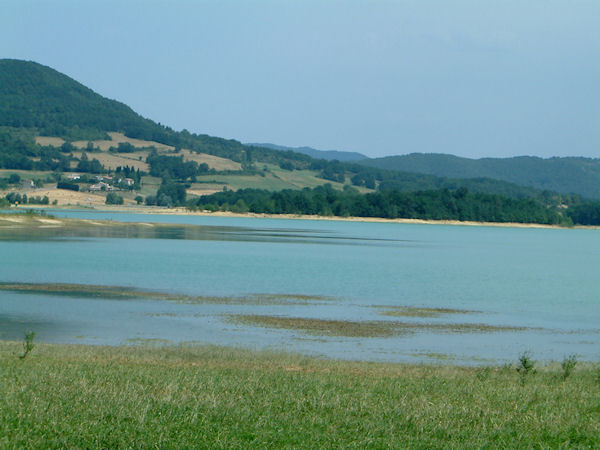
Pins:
x: 135, y: 209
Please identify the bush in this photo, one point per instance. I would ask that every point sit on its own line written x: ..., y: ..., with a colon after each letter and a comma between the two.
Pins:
x: 114, y: 199
x: 568, y: 365
x: 28, y: 344
x: 67, y: 185
x: 526, y: 366
x: 14, y: 178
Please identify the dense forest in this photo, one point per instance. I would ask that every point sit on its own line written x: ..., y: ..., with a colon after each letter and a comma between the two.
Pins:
x: 430, y: 205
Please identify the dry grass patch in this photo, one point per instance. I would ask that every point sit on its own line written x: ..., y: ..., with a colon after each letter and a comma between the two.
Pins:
x: 68, y: 197
x: 117, y: 138
x: 47, y: 140
x: 214, y: 162
x: 112, y: 160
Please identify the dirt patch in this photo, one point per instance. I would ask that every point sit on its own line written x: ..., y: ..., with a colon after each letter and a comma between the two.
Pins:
x: 200, y: 192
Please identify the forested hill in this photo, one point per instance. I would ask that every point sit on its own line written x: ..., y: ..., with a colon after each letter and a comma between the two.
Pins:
x: 41, y: 101
x: 565, y: 175
x: 36, y: 96
x: 39, y: 98
x: 329, y: 155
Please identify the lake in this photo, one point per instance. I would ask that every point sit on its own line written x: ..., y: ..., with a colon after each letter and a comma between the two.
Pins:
x: 439, y: 293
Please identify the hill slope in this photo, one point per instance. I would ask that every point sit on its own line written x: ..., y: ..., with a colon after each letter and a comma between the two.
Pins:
x: 33, y: 96
x: 564, y: 175
x: 36, y: 96
x: 329, y: 155
x: 37, y: 100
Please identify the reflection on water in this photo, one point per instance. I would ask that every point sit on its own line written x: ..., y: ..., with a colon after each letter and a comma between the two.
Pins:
x: 13, y: 328
x: 188, y: 232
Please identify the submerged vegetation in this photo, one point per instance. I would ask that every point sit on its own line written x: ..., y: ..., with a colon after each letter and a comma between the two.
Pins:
x: 321, y: 327
x: 128, y: 293
x: 100, y: 397
x: 420, y: 311
x: 367, y: 328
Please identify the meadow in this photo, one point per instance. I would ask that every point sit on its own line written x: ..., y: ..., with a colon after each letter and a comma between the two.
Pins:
x: 218, y: 397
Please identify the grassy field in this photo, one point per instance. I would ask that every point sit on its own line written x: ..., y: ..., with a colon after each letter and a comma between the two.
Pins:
x: 100, y: 397
x: 274, y: 178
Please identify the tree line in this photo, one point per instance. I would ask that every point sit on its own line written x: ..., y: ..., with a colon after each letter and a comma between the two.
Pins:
x: 442, y: 204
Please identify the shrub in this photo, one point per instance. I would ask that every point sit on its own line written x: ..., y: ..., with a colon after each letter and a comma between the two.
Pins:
x: 568, y: 365
x: 14, y: 178
x: 28, y: 344
x: 67, y: 185
x: 113, y: 199
x: 526, y: 366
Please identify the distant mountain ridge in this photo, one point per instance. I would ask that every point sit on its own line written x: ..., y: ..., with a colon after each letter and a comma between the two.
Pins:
x: 565, y: 175
x: 329, y: 155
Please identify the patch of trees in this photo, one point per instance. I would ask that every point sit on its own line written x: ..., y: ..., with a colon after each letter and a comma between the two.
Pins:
x: 168, y: 194
x: 440, y: 204
x: 87, y: 165
x: 14, y: 198
x: 129, y: 172
x: 67, y: 185
x: 587, y: 213
x: 114, y: 199
x: 123, y: 147
x: 174, y: 167
x: 17, y: 149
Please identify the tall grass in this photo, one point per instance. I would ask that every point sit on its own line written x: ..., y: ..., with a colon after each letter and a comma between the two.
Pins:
x: 90, y: 397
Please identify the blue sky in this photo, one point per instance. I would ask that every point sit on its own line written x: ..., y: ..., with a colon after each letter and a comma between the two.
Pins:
x: 471, y: 78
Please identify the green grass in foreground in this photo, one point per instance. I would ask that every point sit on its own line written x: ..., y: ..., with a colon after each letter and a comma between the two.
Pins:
x: 98, y: 397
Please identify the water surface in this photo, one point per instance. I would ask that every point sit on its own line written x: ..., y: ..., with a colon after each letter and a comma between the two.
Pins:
x: 542, y: 281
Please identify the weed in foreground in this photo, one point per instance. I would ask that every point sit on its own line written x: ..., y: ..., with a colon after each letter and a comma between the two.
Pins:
x: 28, y: 344
x: 526, y: 366
x: 568, y: 365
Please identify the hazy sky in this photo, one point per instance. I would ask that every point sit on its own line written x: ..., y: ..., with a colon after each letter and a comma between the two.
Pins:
x: 472, y: 78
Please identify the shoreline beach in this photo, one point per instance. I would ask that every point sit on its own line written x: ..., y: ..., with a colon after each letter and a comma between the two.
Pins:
x: 136, y: 209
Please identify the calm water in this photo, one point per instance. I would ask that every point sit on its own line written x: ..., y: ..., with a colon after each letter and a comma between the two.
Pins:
x: 544, y: 280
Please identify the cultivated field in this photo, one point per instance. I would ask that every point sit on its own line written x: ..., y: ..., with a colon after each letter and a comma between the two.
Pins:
x: 137, y: 159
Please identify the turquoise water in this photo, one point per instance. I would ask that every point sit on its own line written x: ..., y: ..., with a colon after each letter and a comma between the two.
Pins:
x: 542, y: 279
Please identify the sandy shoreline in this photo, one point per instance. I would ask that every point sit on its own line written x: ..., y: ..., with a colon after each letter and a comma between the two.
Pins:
x: 135, y: 209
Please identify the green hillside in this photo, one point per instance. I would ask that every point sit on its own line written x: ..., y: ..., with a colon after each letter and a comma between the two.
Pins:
x: 36, y: 96
x: 52, y: 126
x: 36, y: 100
x: 39, y: 98
x: 565, y: 175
